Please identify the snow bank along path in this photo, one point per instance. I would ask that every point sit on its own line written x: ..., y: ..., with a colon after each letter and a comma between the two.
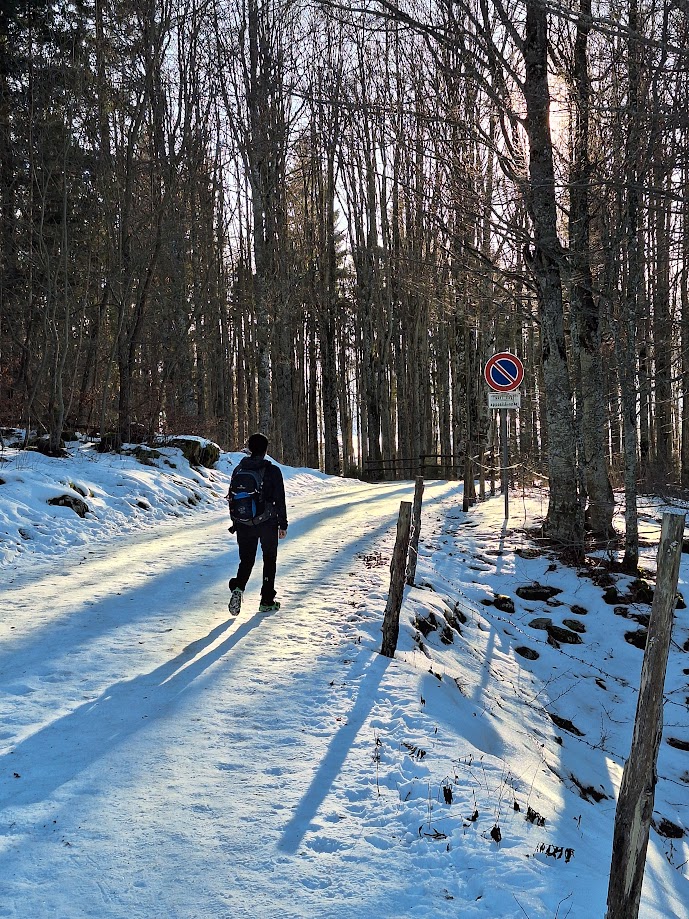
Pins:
x: 161, y: 759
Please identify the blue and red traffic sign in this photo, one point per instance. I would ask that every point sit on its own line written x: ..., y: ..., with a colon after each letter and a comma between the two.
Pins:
x: 504, y: 372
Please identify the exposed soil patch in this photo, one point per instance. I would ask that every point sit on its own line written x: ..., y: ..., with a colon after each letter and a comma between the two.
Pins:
x: 588, y: 792
x: 565, y: 724
x: 638, y: 638
x: 667, y: 828
x: 426, y: 624
x: 504, y: 603
x: 574, y: 625
x: 79, y: 507
x: 537, y: 592
x: 678, y: 744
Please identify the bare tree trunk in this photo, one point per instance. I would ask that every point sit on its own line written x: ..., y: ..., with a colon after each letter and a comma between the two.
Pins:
x: 415, y: 531
x: 662, y: 326
x: 328, y: 320
x: 585, y: 306
x: 637, y: 792
x: 626, y: 342
x: 564, y: 522
x: 398, y: 566
x: 684, y: 300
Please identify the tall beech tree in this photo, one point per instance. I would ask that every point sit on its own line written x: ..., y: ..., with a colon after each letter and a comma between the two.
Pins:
x: 586, y: 319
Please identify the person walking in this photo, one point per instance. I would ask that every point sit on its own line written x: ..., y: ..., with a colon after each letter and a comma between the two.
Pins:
x: 258, y: 516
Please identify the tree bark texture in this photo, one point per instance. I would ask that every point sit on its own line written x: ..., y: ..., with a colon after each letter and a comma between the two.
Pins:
x: 398, y: 566
x: 585, y: 306
x: 637, y: 791
x: 564, y: 522
x: 415, y: 530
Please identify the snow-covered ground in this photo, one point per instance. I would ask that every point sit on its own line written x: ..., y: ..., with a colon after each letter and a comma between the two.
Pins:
x: 161, y: 759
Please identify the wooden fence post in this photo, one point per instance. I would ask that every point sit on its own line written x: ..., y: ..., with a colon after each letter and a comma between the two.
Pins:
x: 391, y: 620
x: 637, y: 791
x: 415, y: 531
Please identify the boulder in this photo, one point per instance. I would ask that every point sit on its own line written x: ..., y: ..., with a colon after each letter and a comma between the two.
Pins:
x: 564, y: 636
x: 556, y: 634
x: 426, y: 624
x: 76, y: 504
x: 537, y: 591
x: 145, y: 455
x: 446, y: 635
x: 197, y: 453
x: 504, y: 603
x: 210, y: 454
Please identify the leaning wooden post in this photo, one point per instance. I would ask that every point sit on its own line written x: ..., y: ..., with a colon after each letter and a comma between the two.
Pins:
x: 637, y: 792
x: 391, y: 620
x: 415, y: 531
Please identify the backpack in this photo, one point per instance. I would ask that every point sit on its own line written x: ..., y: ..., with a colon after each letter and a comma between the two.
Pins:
x: 247, y: 504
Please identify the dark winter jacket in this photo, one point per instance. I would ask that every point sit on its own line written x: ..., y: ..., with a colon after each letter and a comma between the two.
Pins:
x: 273, y: 486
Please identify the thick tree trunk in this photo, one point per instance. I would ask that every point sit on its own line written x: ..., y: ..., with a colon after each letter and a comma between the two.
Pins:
x: 284, y: 393
x: 684, y: 299
x: 564, y: 522
x: 313, y: 439
x: 328, y: 345
x: 662, y: 325
x: 626, y: 342
x: 601, y: 502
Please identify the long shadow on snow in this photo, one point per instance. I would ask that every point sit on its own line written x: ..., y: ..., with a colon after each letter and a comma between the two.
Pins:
x: 334, y: 759
x: 67, y: 630
x: 122, y: 608
x: 486, y: 737
x: 61, y: 750
x: 91, y: 620
x: 81, y: 736
x: 304, y: 522
x: 318, y: 576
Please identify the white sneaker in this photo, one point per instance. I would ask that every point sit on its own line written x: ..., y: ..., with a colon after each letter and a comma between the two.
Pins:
x: 235, y: 603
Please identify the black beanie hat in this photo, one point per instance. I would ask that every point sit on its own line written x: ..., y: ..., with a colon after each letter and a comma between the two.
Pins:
x: 258, y: 444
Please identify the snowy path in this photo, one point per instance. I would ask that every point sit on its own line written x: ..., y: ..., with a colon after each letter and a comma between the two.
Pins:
x: 160, y: 759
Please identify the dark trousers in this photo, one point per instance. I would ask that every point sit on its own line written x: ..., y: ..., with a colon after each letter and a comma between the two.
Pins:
x: 248, y: 538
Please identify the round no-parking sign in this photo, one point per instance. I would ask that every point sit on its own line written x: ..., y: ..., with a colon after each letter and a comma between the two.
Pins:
x: 504, y: 372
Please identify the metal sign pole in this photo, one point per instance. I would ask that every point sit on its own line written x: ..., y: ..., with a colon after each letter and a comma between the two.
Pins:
x: 503, y: 373
x: 504, y: 477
